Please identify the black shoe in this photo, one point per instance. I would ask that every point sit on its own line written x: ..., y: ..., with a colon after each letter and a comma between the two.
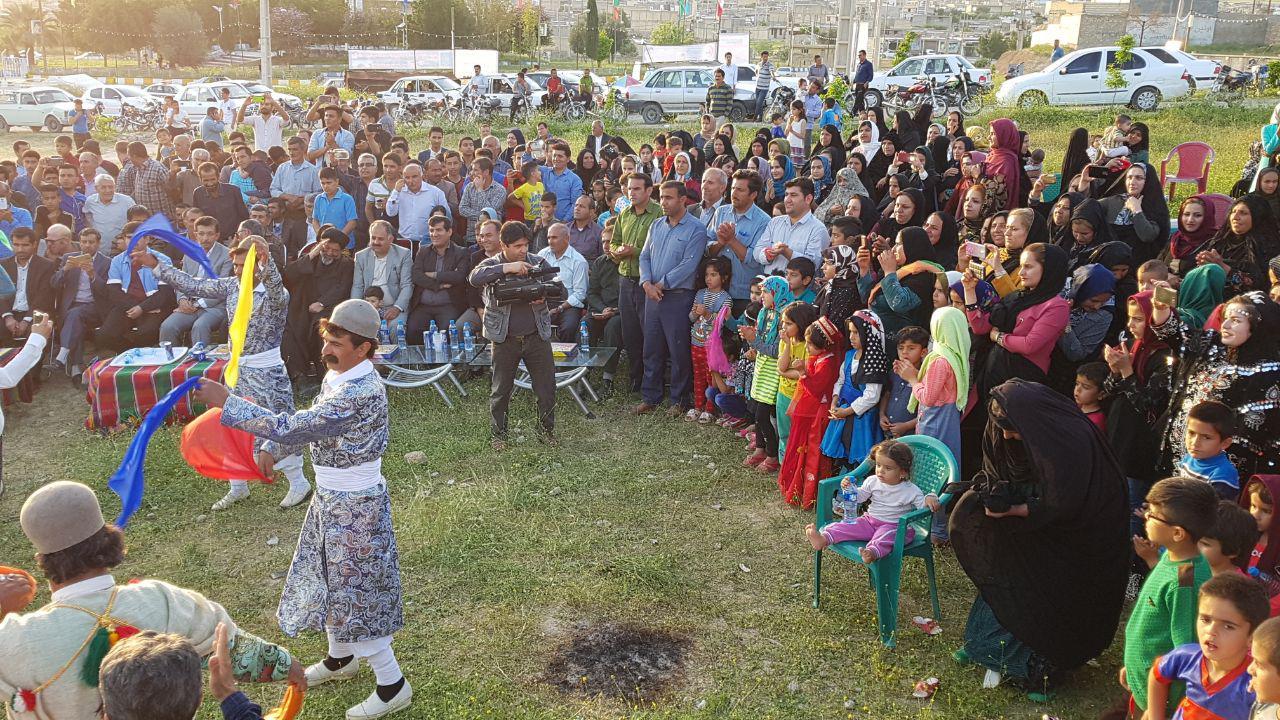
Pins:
x: 57, y: 366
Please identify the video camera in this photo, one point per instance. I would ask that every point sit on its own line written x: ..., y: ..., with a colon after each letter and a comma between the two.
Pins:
x: 537, y: 285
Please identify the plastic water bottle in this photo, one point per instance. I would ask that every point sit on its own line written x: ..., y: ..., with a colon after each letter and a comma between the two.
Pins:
x: 400, y: 340
x: 848, y: 502
x: 454, y: 339
x: 468, y: 340
x: 584, y: 338
x: 428, y: 346
x: 384, y: 337
x: 433, y: 330
x: 441, y: 342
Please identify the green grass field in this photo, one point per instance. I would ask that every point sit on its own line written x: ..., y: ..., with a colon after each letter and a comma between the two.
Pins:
x: 505, y: 557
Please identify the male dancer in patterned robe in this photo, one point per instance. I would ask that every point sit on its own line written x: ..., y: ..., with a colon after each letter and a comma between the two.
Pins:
x: 262, y: 374
x: 345, y: 575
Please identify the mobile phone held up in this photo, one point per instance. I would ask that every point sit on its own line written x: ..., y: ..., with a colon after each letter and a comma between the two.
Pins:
x: 1166, y: 296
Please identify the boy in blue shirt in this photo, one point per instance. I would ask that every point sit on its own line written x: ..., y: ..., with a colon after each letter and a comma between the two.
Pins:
x: 831, y: 115
x: 1215, y: 669
x: 334, y: 207
x: 1210, y: 426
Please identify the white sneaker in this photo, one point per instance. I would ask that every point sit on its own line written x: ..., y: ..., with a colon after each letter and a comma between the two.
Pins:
x: 318, y: 674
x: 706, y: 418
x: 231, y: 498
x: 691, y: 415
x: 373, y: 707
x: 295, y: 497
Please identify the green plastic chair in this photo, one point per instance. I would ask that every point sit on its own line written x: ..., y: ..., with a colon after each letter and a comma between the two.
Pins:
x: 932, y: 469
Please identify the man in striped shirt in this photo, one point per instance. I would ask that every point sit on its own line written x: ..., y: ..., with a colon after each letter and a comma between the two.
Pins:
x: 764, y: 78
x: 719, y: 98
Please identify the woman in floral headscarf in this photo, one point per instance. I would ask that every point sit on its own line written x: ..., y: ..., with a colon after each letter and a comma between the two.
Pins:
x: 855, y: 425
x: 838, y: 297
x: 847, y: 185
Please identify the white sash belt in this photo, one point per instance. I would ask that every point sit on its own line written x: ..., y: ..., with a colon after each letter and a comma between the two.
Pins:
x: 352, y: 479
x: 265, y: 359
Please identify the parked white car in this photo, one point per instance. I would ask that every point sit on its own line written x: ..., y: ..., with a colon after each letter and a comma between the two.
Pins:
x: 110, y: 98
x: 939, y: 67
x: 683, y: 89
x: 197, y: 98
x: 1080, y: 78
x: 36, y: 107
x: 1203, y: 72
x: 160, y: 91
x: 421, y: 88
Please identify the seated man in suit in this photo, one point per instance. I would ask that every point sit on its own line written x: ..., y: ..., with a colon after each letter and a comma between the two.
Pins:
x: 81, y: 284
x: 317, y: 281
x: 388, y: 266
x: 602, y: 304
x: 136, y: 302
x: 439, y: 278
x: 202, y: 317
x: 33, y: 281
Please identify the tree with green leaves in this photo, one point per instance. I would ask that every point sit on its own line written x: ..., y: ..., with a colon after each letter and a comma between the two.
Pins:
x: 117, y: 26
x: 605, y: 48
x: 592, y: 34
x: 179, y: 36
x: 993, y: 45
x: 904, y: 47
x: 1124, y: 53
x: 327, y: 17
x: 619, y: 32
x: 671, y: 33
x: 429, y: 24
x: 15, y: 29
x: 289, y: 29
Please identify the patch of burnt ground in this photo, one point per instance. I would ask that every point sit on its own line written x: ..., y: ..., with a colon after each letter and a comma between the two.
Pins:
x: 618, y: 660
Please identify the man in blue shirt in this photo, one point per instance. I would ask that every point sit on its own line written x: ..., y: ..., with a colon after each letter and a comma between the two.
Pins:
x: 11, y: 216
x: 863, y: 75
x: 737, y: 226
x: 667, y: 266
x: 293, y: 182
x: 69, y: 196
x: 332, y: 137
x: 812, y: 111
x: 80, y: 123
x: 1057, y: 53
x: 562, y: 181
x: 334, y: 207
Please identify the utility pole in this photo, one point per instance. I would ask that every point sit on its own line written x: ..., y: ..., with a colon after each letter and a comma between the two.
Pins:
x: 264, y: 42
x: 453, y: 44
x: 791, y: 37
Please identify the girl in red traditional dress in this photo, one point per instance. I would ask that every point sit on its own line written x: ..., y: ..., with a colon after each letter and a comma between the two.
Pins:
x: 804, y: 464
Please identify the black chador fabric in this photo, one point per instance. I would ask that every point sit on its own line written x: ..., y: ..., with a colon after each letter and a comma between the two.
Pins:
x: 1056, y: 578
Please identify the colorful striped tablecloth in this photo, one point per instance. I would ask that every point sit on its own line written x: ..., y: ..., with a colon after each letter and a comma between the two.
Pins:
x: 118, y: 395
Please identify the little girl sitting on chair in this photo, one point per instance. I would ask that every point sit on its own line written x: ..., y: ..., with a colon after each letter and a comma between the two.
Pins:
x: 892, y: 495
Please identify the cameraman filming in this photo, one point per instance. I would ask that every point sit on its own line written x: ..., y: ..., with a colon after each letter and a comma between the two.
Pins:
x: 519, y: 330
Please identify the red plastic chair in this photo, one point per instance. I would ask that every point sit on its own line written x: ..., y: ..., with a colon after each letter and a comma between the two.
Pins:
x: 1194, y: 161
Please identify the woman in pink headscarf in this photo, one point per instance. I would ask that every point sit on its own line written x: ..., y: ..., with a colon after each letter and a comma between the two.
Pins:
x: 970, y: 174
x: 1004, y: 164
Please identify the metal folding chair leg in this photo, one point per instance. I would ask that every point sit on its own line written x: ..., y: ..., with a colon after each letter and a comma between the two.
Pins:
x: 456, y: 383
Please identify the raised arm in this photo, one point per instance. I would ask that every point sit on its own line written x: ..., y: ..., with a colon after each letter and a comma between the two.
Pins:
x: 185, y: 285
